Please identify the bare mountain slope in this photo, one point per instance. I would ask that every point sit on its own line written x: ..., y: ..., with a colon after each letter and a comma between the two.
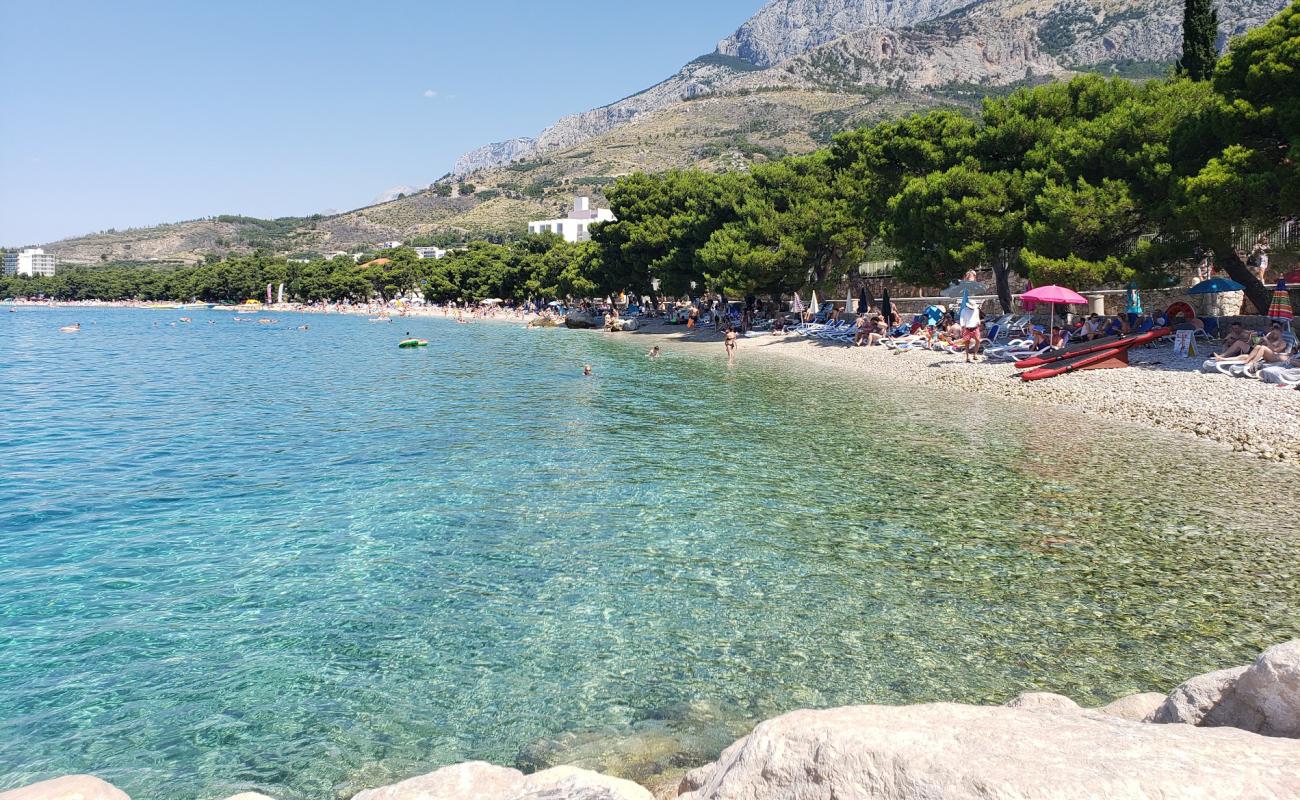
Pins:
x: 848, y: 44
x: 788, y: 78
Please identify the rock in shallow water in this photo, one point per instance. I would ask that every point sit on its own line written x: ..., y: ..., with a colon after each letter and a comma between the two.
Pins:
x: 483, y: 781
x: 1197, y: 701
x: 1042, y: 701
x: 968, y: 753
x: 1266, y: 698
x: 1135, y: 708
x: 69, y: 787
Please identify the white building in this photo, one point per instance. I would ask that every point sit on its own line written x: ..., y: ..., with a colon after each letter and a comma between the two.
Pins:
x: 29, y: 262
x: 577, y: 226
x: 430, y: 252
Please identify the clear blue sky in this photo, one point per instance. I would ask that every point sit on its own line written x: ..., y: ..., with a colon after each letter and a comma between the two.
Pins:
x: 135, y: 112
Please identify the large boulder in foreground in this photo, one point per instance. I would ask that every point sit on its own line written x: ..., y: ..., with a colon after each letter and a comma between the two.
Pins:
x: 1266, y: 698
x: 483, y: 781
x: 69, y: 787
x: 1262, y: 698
x: 960, y: 752
x: 1197, y: 701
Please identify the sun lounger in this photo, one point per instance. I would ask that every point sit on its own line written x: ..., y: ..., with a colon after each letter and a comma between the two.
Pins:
x: 1281, y: 376
x: 1020, y: 325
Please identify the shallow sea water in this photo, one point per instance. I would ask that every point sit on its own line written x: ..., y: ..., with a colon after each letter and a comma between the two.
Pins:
x: 242, y: 557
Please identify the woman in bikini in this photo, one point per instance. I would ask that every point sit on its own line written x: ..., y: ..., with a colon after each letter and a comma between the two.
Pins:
x: 730, y: 343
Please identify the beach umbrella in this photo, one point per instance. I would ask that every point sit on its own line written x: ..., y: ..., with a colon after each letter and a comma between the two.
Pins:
x: 1132, y: 301
x: 1028, y: 305
x: 887, y: 309
x: 961, y: 288
x: 814, y: 306
x: 848, y: 301
x: 1216, y: 286
x: 864, y: 300
x: 796, y: 305
x: 1280, y: 308
x: 1054, y: 294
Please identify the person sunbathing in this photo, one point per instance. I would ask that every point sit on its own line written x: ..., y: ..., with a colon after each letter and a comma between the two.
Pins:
x: 1039, y: 337
x: 878, y: 331
x: 1093, y: 328
x: 1235, y: 343
x: 860, y: 330
x: 1058, y: 337
x: 1273, y: 350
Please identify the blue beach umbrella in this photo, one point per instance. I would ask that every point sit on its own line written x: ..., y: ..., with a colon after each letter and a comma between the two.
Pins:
x: 1216, y: 286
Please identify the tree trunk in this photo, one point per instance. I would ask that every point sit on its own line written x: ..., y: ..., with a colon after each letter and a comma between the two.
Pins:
x: 1256, y: 292
x: 1002, y: 278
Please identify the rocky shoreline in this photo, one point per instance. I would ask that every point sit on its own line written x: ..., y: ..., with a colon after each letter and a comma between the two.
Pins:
x: 1232, y: 733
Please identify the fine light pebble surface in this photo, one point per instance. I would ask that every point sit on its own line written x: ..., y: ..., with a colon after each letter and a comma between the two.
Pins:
x: 1159, y: 389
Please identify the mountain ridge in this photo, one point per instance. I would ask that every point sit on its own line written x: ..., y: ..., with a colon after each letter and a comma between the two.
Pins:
x: 854, y: 62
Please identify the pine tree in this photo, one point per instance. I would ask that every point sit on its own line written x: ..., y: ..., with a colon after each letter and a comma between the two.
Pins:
x: 1200, y: 39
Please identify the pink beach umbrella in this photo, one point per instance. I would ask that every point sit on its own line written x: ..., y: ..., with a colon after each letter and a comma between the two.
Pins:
x: 1028, y: 305
x: 1054, y: 295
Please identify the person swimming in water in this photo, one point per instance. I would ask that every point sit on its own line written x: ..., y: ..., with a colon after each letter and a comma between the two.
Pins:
x: 586, y: 370
x: 654, y: 352
x: 730, y: 342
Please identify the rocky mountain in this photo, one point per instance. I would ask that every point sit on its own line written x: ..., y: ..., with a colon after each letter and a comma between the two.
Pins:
x: 783, y: 29
x: 849, y: 45
x: 794, y: 74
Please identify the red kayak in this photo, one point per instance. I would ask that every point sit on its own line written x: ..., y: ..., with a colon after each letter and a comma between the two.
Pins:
x: 1108, y: 355
x: 1069, y: 351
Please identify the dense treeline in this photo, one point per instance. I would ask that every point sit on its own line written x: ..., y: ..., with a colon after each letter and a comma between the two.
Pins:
x: 535, y: 267
x: 1080, y: 183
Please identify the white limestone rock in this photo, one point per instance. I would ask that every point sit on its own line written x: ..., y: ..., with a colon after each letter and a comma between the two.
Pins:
x: 68, y: 787
x: 1135, y: 707
x: 960, y: 752
x: 1266, y: 698
x: 482, y: 781
x: 1043, y: 701
x: 1197, y: 700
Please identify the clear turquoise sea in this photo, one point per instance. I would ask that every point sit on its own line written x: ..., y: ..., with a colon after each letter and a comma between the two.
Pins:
x: 243, y: 557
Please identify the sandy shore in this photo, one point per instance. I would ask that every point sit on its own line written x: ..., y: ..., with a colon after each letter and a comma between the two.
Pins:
x: 1160, y: 389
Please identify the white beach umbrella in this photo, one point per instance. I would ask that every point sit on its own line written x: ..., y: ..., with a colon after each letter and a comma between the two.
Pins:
x: 813, y: 305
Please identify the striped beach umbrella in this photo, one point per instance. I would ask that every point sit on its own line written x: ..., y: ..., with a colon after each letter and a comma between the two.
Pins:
x: 1280, y: 308
x: 796, y: 305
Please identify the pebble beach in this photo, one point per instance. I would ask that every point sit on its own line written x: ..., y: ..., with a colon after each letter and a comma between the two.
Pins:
x: 1160, y: 389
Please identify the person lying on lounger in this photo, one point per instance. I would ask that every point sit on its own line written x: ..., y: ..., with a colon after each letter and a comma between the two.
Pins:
x: 1235, y: 343
x: 1273, y: 350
